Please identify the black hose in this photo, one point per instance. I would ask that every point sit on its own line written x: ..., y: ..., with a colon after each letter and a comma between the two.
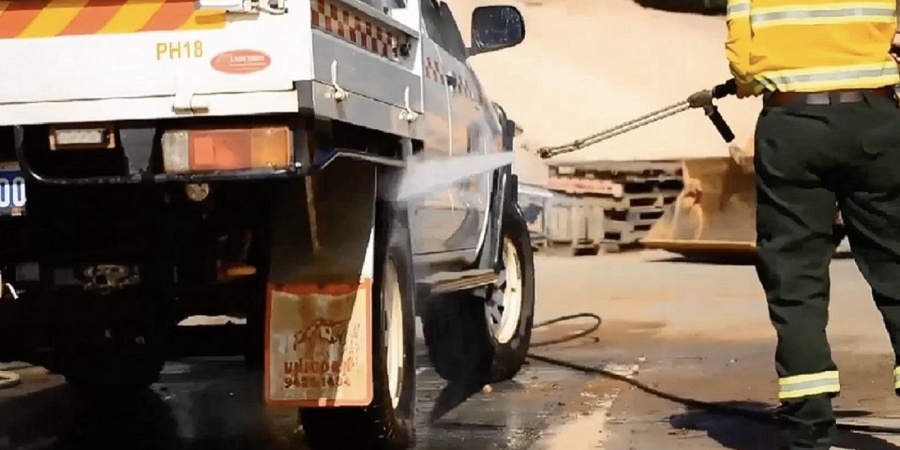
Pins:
x: 751, y: 414
x: 571, y: 337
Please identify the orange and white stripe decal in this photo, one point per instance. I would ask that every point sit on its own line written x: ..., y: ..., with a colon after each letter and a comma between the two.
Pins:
x: 21, y: 19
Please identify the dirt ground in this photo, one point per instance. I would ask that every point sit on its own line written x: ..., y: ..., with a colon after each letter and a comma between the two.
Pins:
x: 702, y: 331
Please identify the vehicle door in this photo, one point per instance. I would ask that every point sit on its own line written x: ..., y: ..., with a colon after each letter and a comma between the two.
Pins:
x: 470, y: 196
x: 433, y: 213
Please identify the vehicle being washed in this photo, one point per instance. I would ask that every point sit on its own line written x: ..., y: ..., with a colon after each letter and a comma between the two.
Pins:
x: 234, y: 158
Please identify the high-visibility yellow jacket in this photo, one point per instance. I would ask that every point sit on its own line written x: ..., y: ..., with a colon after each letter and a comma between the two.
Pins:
x: 811, y: 45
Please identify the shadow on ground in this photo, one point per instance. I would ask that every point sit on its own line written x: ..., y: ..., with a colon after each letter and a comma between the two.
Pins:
x: 712, y: 259
x: 742, y: 434
x: 724, y: 259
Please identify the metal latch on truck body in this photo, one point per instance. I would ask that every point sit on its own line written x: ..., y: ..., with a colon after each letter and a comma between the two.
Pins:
x: 187, y: 102
x: 276, y: 7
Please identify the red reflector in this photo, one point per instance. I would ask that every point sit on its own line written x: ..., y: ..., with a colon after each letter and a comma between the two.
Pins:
x: 227, y: 149
x: 221, y: 149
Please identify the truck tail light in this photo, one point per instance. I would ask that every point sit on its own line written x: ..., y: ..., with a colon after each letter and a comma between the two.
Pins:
x: 226, y: 149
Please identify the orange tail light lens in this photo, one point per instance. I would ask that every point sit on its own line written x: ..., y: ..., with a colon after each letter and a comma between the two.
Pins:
x: 226, y: 149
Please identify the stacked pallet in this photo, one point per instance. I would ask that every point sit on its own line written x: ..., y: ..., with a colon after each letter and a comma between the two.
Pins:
x: 620, y: 200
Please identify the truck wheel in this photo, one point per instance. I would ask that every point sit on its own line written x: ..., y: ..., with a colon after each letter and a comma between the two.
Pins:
x: 509, y: 308
x: 485, y: 339
x: 109, y: 373
x: 387, y: 423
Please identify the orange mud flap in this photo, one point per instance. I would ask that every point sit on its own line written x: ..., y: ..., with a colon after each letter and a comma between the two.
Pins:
x: 318, y: 350
x: 715, y: 214
x: 318, y: 342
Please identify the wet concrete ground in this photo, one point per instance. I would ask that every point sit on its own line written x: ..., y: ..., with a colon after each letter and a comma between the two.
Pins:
x: 216, y: 404
x: 702, y: 331
x: 695, y: 330
x: 741, y: 375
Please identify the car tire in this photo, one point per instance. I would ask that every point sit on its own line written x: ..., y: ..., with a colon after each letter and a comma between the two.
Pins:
x: 510, y: 341
x: 126, y: 360
x: 110, y: 373
x: 388, y: 422
x: 458, y: 329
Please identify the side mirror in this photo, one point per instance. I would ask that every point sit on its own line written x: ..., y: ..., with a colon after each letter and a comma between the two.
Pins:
x: 495, y: 28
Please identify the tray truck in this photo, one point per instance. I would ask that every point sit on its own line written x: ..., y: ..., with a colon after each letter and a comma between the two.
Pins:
x: 166, y: 159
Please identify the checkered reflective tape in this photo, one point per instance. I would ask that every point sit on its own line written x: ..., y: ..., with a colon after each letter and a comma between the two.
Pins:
x: 465, y: 90
x: 435, y: 72
x: 350, y: 26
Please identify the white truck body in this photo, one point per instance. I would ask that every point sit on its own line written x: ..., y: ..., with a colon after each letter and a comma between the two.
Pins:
x: 125, y: 60
x: 228, y: 157
x: 397, y: 68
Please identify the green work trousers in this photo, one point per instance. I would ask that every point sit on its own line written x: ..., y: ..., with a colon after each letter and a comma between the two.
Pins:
x: 810, y: 160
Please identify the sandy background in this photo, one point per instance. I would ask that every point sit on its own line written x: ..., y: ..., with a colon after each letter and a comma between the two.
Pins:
x: 588, y: 65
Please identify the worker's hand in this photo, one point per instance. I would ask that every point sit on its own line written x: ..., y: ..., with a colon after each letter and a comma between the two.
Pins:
x: 895, y: 47
x: 745, y: 90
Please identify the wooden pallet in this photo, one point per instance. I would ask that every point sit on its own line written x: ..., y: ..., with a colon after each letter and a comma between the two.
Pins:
x: 615, y: 179
x: 605, y: 206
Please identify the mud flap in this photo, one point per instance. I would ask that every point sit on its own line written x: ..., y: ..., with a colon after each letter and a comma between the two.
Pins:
x: 318, y: 346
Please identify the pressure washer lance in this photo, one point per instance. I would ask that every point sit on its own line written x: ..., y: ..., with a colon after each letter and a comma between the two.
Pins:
x: 703, y: 99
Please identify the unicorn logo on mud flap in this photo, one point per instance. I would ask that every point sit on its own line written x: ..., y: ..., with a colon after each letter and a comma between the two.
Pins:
x: 322, y: 332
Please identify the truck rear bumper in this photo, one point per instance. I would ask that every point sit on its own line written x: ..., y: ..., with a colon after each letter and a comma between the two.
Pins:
x: 137, y: 156
x: 149, y: 108
x: 299, y: 170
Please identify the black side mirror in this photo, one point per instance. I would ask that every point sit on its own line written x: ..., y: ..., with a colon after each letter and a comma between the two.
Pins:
x: 495, y: 28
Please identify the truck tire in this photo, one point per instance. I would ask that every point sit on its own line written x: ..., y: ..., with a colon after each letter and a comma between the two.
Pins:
x: 476, y: 340
x: 110, y: 373
x: 387, y: 423
x: 132, y: 357
x: 510, y: 313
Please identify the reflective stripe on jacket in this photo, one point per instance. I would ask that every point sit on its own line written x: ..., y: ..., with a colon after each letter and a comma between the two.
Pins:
x: 811, y: 45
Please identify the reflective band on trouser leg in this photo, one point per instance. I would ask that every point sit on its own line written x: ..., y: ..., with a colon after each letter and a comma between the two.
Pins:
x: 825, y: 78
x: 897, y: 377
x: 837, y: 13
x: 737, y: 8
x: 808, y: 385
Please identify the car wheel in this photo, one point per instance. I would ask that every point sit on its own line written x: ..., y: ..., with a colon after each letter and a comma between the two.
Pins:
x: 105, y: 372
x: 509, y: 307
x: 480, y: 338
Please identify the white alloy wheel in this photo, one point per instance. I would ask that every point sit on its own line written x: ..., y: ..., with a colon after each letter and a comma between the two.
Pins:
x: 392, y: 305
x: 504, y: 306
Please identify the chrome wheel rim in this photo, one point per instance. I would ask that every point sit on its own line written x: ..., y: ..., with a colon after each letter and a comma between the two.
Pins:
x: 392, y: 310
x: 504, y: 305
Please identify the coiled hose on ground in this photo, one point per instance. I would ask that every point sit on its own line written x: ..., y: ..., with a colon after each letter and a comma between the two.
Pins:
x: 751, y: 414
x: 8, y: 378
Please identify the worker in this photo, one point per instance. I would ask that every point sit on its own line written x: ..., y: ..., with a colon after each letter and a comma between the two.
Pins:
x: 828, y: 134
